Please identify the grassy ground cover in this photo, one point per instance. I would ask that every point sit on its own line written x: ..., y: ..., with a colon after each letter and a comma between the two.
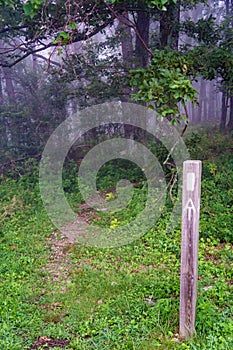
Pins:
x: 57, y: 295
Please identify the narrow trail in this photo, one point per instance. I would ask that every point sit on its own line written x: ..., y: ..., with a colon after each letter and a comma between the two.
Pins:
x: 58, y: 271
x: 58, y: 267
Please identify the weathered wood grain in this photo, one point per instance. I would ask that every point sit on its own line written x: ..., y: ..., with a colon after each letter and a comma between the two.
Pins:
x: 189, y: 246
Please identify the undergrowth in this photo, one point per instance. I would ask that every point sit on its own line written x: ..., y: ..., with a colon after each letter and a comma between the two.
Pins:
x: 125, y: 297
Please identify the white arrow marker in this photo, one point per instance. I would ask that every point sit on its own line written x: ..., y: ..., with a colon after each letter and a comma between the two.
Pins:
x: 190, y: 207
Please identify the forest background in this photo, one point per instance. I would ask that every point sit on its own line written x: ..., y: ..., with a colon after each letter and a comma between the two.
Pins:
x: 60, y: 56
x: 57, y: 58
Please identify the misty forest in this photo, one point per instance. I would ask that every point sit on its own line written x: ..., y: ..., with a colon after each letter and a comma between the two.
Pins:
x: 58, y: 61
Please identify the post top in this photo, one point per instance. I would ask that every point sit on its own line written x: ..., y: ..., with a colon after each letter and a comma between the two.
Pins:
x: 192, y: 161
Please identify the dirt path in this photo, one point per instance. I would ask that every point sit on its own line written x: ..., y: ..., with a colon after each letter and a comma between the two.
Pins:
x: 59, y: 244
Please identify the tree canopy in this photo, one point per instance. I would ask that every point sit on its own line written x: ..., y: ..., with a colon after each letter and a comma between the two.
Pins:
x: 151, y: 52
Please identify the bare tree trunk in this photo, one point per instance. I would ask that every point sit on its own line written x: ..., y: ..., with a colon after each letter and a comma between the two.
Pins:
x: 127, y: 50
x: 195, y: 115
x: 1, y: 88
x: 205, y: 114
x: 211, y: 102
x: 224, y: 111
x: 126, y: 40
x: 218, y: 106
x: 9, y: 84
x: 227, y: 2
x: 169, y: 26
x: 231, y: 13
x: 127, y: 56
x: 34, y: 64
x: 203, y: 104
x: 142, y: 37
x: 230, y: 123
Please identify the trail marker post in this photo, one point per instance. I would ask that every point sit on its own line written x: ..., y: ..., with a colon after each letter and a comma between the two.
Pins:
x: 189, y: 246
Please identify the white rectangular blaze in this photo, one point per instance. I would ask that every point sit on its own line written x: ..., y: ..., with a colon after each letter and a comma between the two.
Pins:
x: 190, y: 181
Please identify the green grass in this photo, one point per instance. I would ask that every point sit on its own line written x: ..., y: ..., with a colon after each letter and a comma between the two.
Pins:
x: 119, y: 298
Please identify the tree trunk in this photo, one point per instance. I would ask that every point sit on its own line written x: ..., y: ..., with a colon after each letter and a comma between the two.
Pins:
x: 203, y: 104
x: 224, y: 111
x: 169, y: 26
x: 1, y: 89
x: 230, y: 123
x: 227, y: 2
x: 34, y: 64
x: 211, y: 115
x: 218, y: 106
x: 231, y: 13
x: 9, y: 84
x: 127, y: 50
x: 127, y: 57
x: 142, y: 37
x: 126, y: 40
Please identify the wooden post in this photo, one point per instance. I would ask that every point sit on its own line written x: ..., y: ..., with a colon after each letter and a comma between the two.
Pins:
x: 189, y: 247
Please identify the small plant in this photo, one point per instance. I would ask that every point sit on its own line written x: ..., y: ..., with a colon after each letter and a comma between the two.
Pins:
x: 122, y: 298
x: 114, y: 223
x: 109, y: 196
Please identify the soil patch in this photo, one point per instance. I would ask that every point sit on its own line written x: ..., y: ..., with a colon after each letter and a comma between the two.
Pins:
x: 47, y: 343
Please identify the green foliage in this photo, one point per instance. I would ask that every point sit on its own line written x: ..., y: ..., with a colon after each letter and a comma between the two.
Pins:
x: 31, y: 7
x: 23, y: 221
x: 159, y: 4
x: 39, y: 106
x: 105, y: 77
x: 212, y: 56
x: 164, y: 84
x: 205, y: 31
x: 212, y: 62
x: 121, y: 298
x: 63, y: 38
x: 108, y: 177
x: 48, y: 23
x: 217, y: 183
x: 9, y: 3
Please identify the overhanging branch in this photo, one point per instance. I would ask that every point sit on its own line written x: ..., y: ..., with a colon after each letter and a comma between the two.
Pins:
x: 10, y: 56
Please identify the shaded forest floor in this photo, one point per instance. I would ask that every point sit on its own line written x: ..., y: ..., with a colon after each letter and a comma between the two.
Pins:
x: 55, y: 294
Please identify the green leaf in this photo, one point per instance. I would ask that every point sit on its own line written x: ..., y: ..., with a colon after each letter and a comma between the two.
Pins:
x: 28, y: 9
x: 72, y: 25
x: 64, y: 35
